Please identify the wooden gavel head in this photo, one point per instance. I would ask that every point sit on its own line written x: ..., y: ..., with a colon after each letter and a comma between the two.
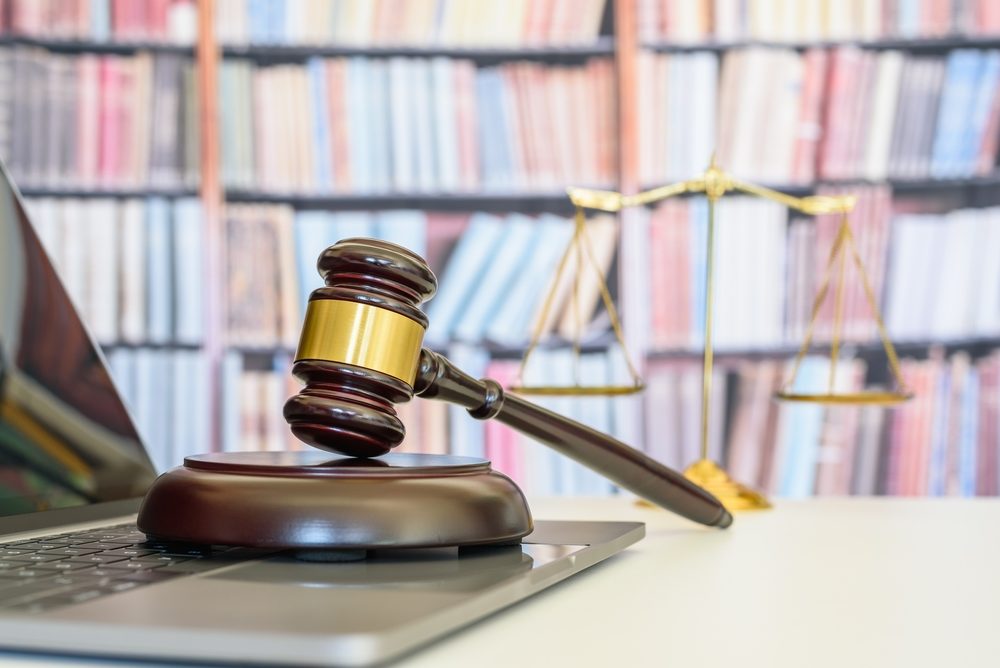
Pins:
x: 360, y: 347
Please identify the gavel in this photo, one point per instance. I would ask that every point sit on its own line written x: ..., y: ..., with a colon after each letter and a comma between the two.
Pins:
x: 361, y: 352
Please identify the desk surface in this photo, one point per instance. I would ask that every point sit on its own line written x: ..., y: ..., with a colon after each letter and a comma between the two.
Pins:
x: 835, y: 582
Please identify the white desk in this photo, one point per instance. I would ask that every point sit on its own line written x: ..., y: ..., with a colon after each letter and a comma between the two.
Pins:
x: 835, y: 582
x: 851, y: 582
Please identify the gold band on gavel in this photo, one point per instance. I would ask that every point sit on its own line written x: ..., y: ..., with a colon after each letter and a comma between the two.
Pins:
x: 363, y: 335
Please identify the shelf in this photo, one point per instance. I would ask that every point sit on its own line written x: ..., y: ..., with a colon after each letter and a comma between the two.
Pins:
x: 552, y: 201
x: 73, y: 45
x: 145, y: 345
x: 927, y: 45
x: 124, y: 193
x: 976, y: 344
x: 604, y: 46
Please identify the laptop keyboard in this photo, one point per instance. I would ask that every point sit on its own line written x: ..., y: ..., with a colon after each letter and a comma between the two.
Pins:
x: 39, y: 574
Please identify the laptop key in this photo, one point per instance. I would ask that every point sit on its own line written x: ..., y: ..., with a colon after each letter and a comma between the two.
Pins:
x: 158, y: 575
x: 104, y: 558
x: 71, y: 551
x: 64, y: 566
x: 37, y: 557
x: 131, y: 552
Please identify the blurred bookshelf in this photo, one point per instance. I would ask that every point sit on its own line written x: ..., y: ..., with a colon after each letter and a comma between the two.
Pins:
x: 455, y: 133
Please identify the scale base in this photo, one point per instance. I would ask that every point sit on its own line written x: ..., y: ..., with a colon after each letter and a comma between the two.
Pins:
x: 339, y: 507
x: 733, y: 495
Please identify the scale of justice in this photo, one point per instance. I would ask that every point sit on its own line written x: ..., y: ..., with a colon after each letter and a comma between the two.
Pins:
x: 714, y: 183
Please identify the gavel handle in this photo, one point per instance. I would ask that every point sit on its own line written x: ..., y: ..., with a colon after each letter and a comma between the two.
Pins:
x: 437, y: 378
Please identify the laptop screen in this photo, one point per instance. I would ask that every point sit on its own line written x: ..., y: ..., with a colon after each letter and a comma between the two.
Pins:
x: 66, y: 439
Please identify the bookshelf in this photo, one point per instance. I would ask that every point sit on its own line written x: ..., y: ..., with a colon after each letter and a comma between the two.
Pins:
x: 528, y: 195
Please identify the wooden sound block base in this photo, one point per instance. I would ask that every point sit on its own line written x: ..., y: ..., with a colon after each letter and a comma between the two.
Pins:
x: 334, y: 508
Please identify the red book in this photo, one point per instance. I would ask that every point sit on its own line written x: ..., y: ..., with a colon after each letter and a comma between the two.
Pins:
x: 340, y: 145
x: 841, y: 90
x: 89, y: 129
x: 109, y: 119
x: 810, y: 129
x: 503, y: 446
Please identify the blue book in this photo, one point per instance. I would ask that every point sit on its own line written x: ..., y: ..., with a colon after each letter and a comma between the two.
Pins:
x: 801, y: 432
x: 100, y: 20
x: 514, y: 317
x: 277, y: 29
x: 699, y: 256
x: 462, y: 277
x: 322, y: 160
x: 957, y: 96
x: 159, y: 282
x: 490, y: 128
x: 969, y: 434
x: 258, y: 21
x: 468, y: 435
x: 352, y: 224
x: 314, y: 232
x: 978, y: 115
x: 506, y: 264
x: 937, y: 469
x: 406, y: 227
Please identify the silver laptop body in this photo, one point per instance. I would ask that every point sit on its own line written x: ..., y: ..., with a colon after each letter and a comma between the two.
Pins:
x: 77, y: 578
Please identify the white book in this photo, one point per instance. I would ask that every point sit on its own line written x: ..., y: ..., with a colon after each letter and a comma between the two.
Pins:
x: 159, y: 298
x: 232, y: 369
x: 272, y: 388
x: 122, y: 363
x: 887, y: 81
x: 595, y: 412
x: 133, y: 271
x: 704, y: 106
x: 73, y: 227
x: 445, y: 125
x: 103, y: 268
x: 461, y: 278
x: 188, y: 272
x: 986, y: 301
x: 505, y: 266
x: 956, y: 281
x: 182, y: 418
x: 541, y: 462
x: 402, y: 127
x: 250, y: 399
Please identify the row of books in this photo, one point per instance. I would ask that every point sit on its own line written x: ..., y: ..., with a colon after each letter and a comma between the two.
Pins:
x: 513, y: 23
x: 786, y: 117
x: 495, y: 271
x: 768, y: 274
x: 943, y: 442
x: 99, y: 121
x: 377, y: 125
x: 168, y: 21
x: 166, y: 392
x: 813, y: 20
x: 133, y: 267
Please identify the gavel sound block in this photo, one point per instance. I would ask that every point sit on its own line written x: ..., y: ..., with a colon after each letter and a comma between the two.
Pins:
x: 359, y: 354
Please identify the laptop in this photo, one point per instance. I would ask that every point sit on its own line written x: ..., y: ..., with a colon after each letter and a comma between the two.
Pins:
x: 78, y: 578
